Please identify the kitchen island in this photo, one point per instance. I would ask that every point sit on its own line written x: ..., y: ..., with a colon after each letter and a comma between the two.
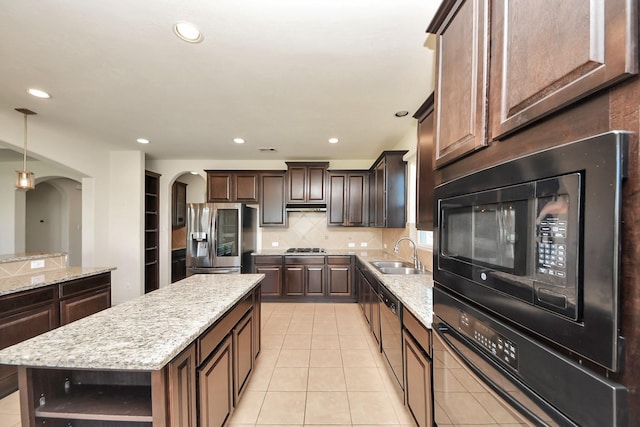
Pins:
x: 136, y: 364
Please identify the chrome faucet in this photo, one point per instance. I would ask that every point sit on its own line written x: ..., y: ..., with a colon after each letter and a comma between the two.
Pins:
x: 416, y: 262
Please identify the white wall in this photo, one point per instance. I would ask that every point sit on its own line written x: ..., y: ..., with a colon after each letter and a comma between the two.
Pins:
x: 44, y: 224
x: 126, y: 215
x: 104, y: 177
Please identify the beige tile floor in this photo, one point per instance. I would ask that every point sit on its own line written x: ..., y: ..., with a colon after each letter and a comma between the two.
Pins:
x: 318, y: 366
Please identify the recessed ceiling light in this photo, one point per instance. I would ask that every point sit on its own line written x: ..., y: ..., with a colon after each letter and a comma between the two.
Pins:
x: 194, y: 172
x: 188, y: 32
x: 38, y: 93
x: 238, y: 140
x: 401, y: 113
x: 142, y: 140
x: 333, y: 140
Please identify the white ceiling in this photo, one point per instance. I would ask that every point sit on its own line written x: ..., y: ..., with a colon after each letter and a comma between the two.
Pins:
x: 286, y: 74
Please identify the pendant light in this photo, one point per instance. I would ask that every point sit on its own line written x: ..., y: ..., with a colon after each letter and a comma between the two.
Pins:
x: 25, y: 180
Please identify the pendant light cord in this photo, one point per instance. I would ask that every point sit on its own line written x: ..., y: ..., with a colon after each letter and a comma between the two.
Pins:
x: 24, y: 160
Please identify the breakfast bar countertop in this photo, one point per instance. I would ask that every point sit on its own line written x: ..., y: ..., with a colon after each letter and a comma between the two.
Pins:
x: 39, y: 279
x: 142, y: 334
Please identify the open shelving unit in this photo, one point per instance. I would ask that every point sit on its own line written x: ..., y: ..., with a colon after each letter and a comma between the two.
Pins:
x: 151, y: 231
x: 71, y: 397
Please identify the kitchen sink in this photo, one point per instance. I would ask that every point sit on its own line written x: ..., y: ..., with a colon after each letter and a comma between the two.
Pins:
x: 391, y: 264
x: 399, y: 270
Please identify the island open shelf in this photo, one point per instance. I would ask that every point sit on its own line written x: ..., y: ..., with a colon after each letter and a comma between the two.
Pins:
x: 90, y: 395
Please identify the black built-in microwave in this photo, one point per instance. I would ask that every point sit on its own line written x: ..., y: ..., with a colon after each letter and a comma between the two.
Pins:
x: 536, y: 241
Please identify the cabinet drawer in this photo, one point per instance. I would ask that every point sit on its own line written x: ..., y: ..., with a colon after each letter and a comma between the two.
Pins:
x: 268, y: 259
x: 417, y: 330
x: 21, y: 301
x: 338, y: 259
x: 77, y: 286
x: 306, y: 260
x: 209, y: 340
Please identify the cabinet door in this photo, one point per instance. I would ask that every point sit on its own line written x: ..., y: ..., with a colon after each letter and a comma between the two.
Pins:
x: 337, y: 199
x: 219, y: 186
x: 215, y: 380
x: 243, y: 354
x: 379, y: 195
x: 75, y: 308
x: 314, y: 280
x: 339, y: 280
x: 272, y: 200
x: 19, y: 327
x: 182, y: 388
x: 316, y: 184
x: 272, y: 282
x: 297, y: 184
x: 417, y: 372
x: 178, y: 204
x: 294, y: 279
x: 357, y: 200
x: 461, y: 82
x: 424, y: 171
x: 545, y: 55
x: 246, y: 187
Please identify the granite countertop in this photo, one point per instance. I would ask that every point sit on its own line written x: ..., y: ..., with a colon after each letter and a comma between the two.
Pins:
x: 28, y: 256
x: 142, y: 334
x: 415, y: 291
x: 25, y: 282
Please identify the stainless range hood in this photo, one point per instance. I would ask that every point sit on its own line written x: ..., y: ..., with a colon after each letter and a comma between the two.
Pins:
x: 306, y: 207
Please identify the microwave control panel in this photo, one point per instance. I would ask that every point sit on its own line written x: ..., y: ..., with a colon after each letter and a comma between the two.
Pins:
x: 551, y: 239
x: 496, y: 344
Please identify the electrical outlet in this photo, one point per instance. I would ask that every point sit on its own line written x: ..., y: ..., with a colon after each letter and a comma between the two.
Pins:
x: 363, y: 244
x: 351, y: 245
x: 275, y: 244
x: 38, y: 263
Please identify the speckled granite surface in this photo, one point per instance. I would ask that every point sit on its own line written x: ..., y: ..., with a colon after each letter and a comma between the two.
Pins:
x: 415, y: 291
x: 28, y: 256
x: 141, y: 334
x: 24, y: 282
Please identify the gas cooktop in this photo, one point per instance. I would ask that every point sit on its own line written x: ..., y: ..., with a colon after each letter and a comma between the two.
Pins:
x: 312, y: 250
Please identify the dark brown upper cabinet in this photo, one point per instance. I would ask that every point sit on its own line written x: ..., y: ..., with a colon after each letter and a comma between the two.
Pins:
x: 462, y: 32
x: 388, y: 190
x: 178, y: 204
x: 546, y: 55
x: 306, y: 182
x: 348, y: 199
x: 272, y: 199
x: 232, y: 186
x: 424, y: 171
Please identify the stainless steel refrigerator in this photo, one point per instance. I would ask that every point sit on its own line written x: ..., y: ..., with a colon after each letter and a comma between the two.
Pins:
x: 220, y: 238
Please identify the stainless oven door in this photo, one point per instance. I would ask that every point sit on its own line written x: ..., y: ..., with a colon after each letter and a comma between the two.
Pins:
x: 488, y: 373
x: 468, y: 390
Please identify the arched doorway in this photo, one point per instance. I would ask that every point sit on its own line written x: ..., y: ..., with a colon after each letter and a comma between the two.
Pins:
x: 54, y: 218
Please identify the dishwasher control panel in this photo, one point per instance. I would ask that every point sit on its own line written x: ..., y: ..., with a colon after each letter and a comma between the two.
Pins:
x: 496, y: 344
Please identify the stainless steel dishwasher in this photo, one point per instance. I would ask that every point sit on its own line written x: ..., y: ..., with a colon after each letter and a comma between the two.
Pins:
x: 391, y: 334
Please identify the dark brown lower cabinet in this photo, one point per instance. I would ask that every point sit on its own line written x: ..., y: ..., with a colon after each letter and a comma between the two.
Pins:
x: 23, y: 316
x: 304, y: 276
x: 216, y: 386
x: 182, y: 388
x: 417, y: 370
x: 81, y: 306
x: 243, y: 355
x: 339, y: 276
x: 271, y: 267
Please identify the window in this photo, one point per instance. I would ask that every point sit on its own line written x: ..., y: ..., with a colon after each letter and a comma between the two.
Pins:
x: 425, y: 239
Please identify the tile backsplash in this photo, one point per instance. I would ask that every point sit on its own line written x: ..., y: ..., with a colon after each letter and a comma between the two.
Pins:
x: 309, y: 229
